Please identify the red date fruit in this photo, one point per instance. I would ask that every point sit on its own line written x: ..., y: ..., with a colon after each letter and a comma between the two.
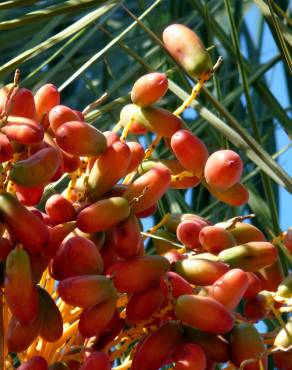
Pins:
x: 139, y: 273
x: 203, y: 313
x: 76, y: 256
x: 85, y: 290
x: 20, y: 293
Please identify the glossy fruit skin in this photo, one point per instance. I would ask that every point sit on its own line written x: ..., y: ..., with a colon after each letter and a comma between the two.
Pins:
x: 19, y: 336
x: 137, y: 155
x: 86, y: 290
x: 21, y: 103
x: 200, y: 271
x: 237, y: 195
x: 162, y: 246
x: 250, y: 256
x: 60, y: 209
x: 76, y: 256
x: 245, y: 233
x: 56, y: 235
x: 127, y: 237
x: 19, y: 290
x: 102, y: 177
x: 149, y: 88
x: 27, y: 229
x: 188, y: 232
x: 96, y: 361
x: 60, y: 114
x: 215, y: 239
x: 156, y: 348
x: 192, y: 357
x: 46, y: 97
x: 94, y: 319
x: 29, y: 196
x: 153, y: 183
x: 186, y: 48
x: 139, y: 273
x: 230, y: 288
x: 34, y: 363
x: 176, y: 218
x: 203, y: 313
x: 91, y: 141
x: 254, y: 285
x: 154, y: 119
x: 223, y: 169
x: 190, y: 151
x: 52, y: 326
x: 217, y: 348
x: 246, y: 343
x: 23, y: 130
x: 143, y: 304
x: 6, y: 149
x: 256, y: 308
x: 37, y: 169
x: 103, y: 214
x: 179, y: 285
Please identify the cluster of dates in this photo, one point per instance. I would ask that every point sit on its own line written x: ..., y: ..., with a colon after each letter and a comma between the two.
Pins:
x: 79, y: 289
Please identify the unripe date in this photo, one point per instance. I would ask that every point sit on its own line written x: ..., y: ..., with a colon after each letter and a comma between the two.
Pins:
x: 60, y: 114
x: 76, y: 256
x: 215, y: 239
x: 59, y: 209
x: 94, y: 319
x: 138, y: 274
x: 109, y: 168
x: 192, y: 357
x: 103, y: 214
x: 153, y: 184
x: 149, y: 88
x: 203, y: 313
x: 154, y: 119
x: 6, y: 149
x: 20, y: 293
x: 188, y: 232
x: 20, y: 336
x: 127, y: 237
x: 91, y: 142
x: 37, y: 169
x: 23, y: 130
x: 157, y: 348
x: 250, y: 256
x: 230, y: 288
x: 217, y: 348
x: 246, y: 343
x: 236, y: 195
x: 186, y: 47
x: 29, y: 195
x: 52, y: 325
x: 27, y: 228
x: 143, y: 304
x: 190, y: 151
x: 200, y: 271
x: 46, y: 97
x: 85, y: 290
x: 245, y: 233
x: 223, y: 169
